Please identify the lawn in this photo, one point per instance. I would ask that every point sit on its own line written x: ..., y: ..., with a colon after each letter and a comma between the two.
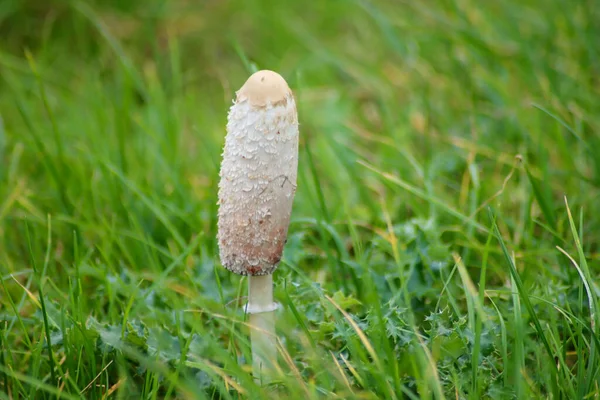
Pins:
x: 444, y: 240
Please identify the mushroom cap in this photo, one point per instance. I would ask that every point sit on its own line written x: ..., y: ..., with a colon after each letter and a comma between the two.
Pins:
x: 258, y: 175
x: 263, y: 88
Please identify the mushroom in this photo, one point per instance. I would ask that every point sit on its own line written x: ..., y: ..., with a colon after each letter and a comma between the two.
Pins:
x: 256, y: 192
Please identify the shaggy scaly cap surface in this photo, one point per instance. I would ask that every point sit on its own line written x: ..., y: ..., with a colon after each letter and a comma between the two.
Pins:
x: 258, y: 175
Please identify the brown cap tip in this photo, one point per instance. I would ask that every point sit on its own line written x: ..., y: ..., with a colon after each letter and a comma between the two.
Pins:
x: 264, y: 87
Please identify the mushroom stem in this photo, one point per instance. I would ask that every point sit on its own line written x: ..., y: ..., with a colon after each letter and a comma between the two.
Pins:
x: 262, y: 325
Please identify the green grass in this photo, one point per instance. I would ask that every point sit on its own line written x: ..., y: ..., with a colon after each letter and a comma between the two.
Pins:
x: 444, y: 241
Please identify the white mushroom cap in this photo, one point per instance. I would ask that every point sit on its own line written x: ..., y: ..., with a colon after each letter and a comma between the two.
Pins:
x: 258, y: 175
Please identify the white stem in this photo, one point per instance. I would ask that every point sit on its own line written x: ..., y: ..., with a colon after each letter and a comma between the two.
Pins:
x: 262, y: 325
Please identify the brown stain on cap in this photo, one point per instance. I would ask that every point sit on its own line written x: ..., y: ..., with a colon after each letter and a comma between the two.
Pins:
x: 264, y: 87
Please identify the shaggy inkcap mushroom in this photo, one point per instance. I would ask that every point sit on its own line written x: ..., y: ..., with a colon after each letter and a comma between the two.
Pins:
x: 258, y: 175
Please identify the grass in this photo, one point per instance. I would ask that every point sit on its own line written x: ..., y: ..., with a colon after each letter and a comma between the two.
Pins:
x: 444, y: 236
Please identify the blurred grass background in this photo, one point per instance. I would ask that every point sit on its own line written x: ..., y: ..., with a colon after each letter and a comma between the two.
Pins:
x: 429, y: 249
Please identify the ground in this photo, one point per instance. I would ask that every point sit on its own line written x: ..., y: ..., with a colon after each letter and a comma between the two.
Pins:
x: 444, y: 239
